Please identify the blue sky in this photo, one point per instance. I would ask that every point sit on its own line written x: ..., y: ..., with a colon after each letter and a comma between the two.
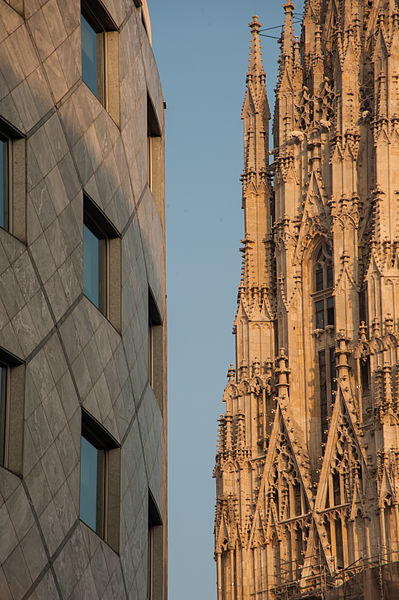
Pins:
x: 202, y: 53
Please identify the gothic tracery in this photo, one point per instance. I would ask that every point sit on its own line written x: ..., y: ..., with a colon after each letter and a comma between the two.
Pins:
x: 307, y: 467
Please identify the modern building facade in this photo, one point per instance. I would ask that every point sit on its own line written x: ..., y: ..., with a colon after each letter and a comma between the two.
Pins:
x: 307, y: 469
x: 83, y: 491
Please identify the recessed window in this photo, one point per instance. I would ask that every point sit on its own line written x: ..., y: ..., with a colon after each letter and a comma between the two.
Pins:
x: 153, y: 146
x: 12, y: 180
x: 12, y: 395
x: 155, y: 552
x: 323, y: 283
x: 93, y: 58
x: 92, y: 463
x: 99, y: 480
x: 155, y: 349
x: 94, y: 271
x: 3, y: 404
x: 101, y: 261
x: 4, y: 185
x: 100, y: 54
x: 324, y: 322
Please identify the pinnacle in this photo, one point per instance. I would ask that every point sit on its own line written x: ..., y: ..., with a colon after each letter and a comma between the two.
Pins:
x: 255, y: 25
x: 255, y: 55
x: 289, y: 6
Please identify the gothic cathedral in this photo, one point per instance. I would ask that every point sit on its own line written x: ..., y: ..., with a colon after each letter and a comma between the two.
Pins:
x: 307, y: 465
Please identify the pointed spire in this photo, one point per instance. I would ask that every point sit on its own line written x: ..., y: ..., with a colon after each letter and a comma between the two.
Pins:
x: 256, y: 74
x: 255, y: 113
x: 287, y: 48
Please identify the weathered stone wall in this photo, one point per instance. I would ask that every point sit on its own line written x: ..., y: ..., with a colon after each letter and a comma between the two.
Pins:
x: 74, y: 357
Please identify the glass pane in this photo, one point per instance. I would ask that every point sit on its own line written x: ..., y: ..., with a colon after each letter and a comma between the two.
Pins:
x: 319, y: 279
x: 330, y: 276
x: 89, y: 56
x: 3, y: 388
x: 88, y: 483
x: 91, y: 266
x: 320, y: 315
x: 3, y: 184
x: 102, y: 262
x: 330, y: 311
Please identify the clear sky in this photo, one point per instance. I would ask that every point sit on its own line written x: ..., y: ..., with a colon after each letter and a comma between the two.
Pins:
x: 201, y: 47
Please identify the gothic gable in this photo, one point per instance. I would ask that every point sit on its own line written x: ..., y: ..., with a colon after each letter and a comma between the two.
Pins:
x: 315, y: 220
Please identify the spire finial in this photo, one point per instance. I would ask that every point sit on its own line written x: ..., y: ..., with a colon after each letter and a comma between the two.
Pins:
x: 288, y: 32
x: 255, y: 25
x: 255, y: 56
x: 289, y: 7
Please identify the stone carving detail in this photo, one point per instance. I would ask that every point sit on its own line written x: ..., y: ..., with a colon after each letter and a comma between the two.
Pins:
x: 307, y: 468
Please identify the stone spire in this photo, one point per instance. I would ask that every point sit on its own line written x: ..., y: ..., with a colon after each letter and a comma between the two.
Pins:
x: 256, y: 74
x: 307, y: 467
x: 287, y: 46
x: 255, y: 113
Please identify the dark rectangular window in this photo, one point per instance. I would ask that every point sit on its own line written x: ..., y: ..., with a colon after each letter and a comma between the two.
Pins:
x: 153, y: 131
x: 336, y: 489
x: 330, y: 311
x: 12, y: 180
x: 155, y: 349
x: 338, y: 539
x: 101, y: 261
x: 92, y: 485
x: 94, y: 267
x: 330, y: 276
x: 12, y: 400
x: 365, y: 374
x: 320, y: 314
x: 297, y: 500
x: 155, y: 552
x: 319, y: 280
x: 92, y: 60
x: 100, y: 480
x: 323, y: 394
x: 4, y: 183
x: 100, y: 55
x: 3, y: 405
x: 363, y: 306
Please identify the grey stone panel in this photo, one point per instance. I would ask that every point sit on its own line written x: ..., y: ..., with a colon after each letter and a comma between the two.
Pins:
x: 74, y: 356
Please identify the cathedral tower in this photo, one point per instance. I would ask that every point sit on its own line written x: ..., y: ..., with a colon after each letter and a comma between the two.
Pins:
x: 307, y: 466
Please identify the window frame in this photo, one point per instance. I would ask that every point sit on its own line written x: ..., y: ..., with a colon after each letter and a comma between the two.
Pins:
x: 107, y: 62
x: 323, y: 264
x: 7, y: 178
x: 154, y: 551
x: 155, y: 349
x: 154, y: 131
x: 12, y: 412
x: 3, y: 412
x: 15, y: 196
x: 108, y: 489
x: 109, y: 292
x: 324, y: 325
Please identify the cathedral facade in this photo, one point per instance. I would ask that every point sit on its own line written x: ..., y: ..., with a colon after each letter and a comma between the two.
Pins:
x: 307, y: 465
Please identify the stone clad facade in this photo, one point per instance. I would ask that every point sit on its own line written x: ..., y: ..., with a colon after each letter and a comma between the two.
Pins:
x: 81, y: 168
x: 307, y: 467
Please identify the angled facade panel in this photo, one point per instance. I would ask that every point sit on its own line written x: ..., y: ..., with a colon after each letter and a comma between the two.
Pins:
x: 83, y: 495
